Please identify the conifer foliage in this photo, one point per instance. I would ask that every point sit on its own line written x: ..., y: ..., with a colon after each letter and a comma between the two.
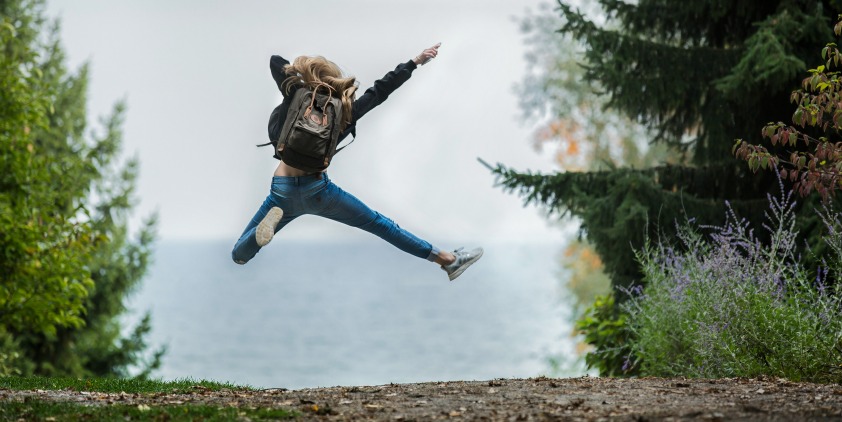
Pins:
x: 67, y: 260
x: 697, y: 75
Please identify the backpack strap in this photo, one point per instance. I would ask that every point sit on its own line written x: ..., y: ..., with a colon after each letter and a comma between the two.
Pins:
x: 353, y: 138
x: 313, y: 101
x: 353, y: 132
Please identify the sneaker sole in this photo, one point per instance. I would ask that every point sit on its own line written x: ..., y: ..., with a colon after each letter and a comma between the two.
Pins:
x: 462, y: 269
x: 266, y: 228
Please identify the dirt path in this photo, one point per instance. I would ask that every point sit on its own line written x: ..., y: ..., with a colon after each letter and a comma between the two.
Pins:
x: 586, y: 398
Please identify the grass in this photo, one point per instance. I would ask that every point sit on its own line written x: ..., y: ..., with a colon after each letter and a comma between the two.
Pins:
x: 38, y: 410
x: 41, y: 410
x: 113, y: 385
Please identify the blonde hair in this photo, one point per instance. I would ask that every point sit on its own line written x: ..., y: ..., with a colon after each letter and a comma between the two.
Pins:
x: 315, y: 70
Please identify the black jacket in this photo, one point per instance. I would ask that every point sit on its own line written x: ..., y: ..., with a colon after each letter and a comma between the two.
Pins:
x: 372, y: 97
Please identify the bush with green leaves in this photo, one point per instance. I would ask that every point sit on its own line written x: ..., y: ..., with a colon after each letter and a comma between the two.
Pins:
x: 724, y: 304
x: 809, y: 153
x: 67, y: 260
x: 605, y: 327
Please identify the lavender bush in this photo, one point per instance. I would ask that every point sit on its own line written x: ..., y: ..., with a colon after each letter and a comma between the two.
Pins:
x: 726, y: 304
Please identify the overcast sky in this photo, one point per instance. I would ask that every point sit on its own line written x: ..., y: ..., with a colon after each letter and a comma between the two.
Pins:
x: 195, y: 76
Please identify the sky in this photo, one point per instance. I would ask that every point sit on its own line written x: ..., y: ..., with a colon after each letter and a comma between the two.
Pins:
x: 195, y: 77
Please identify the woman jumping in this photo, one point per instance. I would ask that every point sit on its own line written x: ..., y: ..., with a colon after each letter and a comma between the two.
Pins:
x: 296, y: 192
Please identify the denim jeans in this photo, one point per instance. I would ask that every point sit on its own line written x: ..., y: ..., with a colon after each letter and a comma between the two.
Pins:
x: 317, y: 195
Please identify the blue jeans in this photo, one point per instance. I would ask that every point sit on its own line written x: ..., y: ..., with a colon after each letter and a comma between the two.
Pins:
x: 317, y: 195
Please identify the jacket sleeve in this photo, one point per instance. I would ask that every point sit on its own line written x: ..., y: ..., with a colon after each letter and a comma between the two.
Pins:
x: 381, y: 90
x: 276, y: 65
x: 378, y: 93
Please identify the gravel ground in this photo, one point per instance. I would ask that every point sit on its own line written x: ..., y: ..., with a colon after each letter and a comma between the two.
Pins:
x: 586, y: 399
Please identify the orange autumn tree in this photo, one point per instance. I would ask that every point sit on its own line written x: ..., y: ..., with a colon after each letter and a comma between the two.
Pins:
x: 574, y: 121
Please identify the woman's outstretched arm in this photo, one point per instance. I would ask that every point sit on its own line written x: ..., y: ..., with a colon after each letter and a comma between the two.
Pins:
x: 384, y: 86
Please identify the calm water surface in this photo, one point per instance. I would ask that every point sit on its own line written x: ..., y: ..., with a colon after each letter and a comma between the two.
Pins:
x: 315, y: 314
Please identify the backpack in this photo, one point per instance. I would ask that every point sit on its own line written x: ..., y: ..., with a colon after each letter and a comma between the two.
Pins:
x: 311, y: 130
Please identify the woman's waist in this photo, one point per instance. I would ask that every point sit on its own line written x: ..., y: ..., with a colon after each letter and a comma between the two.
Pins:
x: 302, y: 180
x: 283, y: 170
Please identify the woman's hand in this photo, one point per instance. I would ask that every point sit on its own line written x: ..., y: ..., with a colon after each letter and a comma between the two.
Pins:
x: 427, y: 55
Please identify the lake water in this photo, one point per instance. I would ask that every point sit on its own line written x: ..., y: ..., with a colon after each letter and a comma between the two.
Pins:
x: 363, y: 313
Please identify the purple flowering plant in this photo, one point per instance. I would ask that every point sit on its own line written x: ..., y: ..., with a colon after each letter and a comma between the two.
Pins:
x: 722, y: 303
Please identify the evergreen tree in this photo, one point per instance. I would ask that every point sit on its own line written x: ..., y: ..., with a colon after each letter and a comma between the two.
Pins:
x: 67, y: 261
x: 697, y: 75
x: 584, y: 135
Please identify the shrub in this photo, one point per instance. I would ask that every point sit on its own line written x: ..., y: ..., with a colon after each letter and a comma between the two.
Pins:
x: 727, y: 304
x: 605, y: 327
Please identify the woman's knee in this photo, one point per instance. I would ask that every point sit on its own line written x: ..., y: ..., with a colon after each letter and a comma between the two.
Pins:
x: 237, y: 259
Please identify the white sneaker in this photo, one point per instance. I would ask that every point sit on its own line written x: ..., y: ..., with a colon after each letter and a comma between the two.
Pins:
x: 266, y: 228
x: 463, y: 261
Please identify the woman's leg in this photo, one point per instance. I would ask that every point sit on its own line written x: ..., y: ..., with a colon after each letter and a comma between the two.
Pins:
x: 345, y: 208
x: 248, y: 246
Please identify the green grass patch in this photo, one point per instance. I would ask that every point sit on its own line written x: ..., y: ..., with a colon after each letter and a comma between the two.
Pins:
x: 38, y: 410
x: 113, y: 385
